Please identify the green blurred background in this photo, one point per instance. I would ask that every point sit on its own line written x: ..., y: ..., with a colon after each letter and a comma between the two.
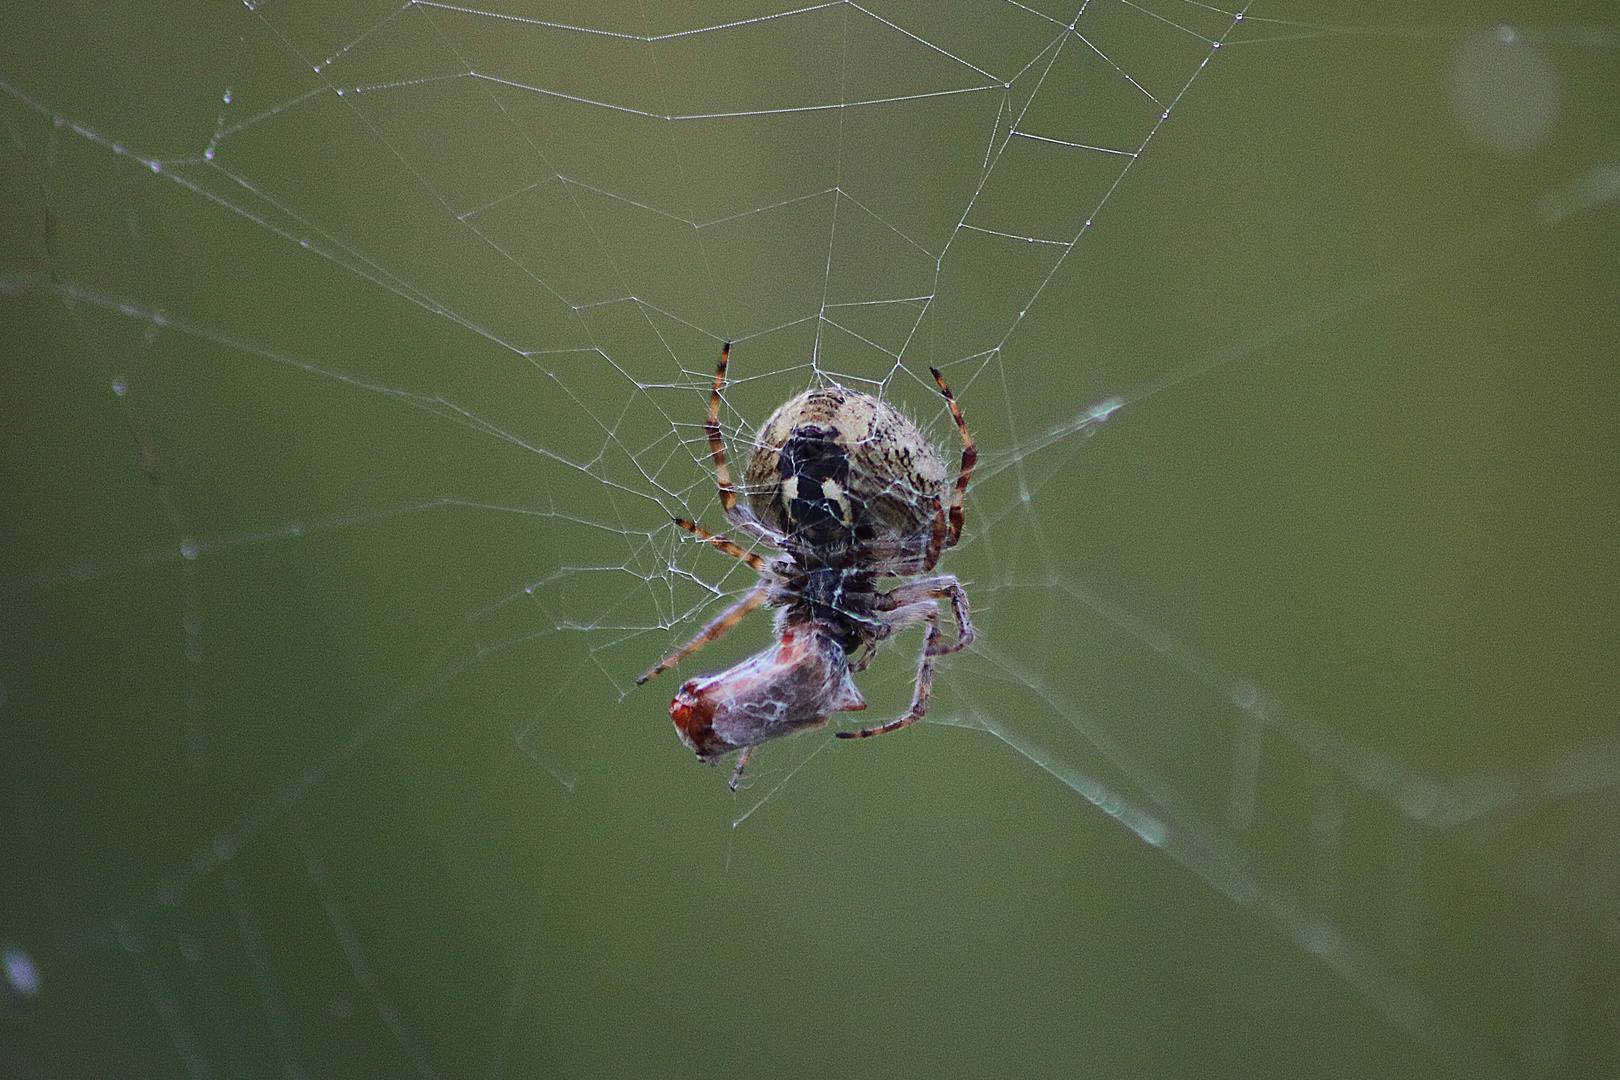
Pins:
x: 355, y: 359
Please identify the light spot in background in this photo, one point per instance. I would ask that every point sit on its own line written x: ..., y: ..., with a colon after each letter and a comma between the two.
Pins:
x: 1597, y: 185
x: 1503, y: 92
x: 21, y: 977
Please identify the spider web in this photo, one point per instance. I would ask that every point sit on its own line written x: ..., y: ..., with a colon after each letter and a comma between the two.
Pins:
x: 357, y: 359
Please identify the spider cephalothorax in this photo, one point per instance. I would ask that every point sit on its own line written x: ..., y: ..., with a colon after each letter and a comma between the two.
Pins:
x: 848, y: 491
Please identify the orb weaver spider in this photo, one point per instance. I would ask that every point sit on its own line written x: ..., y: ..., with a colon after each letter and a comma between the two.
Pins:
x: 847, y: 491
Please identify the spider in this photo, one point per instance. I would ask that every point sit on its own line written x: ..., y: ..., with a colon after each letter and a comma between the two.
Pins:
x: 847, y: 491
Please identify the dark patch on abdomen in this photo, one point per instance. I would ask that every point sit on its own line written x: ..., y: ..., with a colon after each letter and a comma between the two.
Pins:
x: 809, y: 459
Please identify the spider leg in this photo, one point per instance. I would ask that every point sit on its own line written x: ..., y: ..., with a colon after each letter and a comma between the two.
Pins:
x: 721, y: 623
x: 921, y: 692
x: 906, y: 606
x: 948, y: 522
x: 861, y: 657
x: 902, y: 607
x: 716, y: 540
x: 717, y: 447
x: 742, y: 759
x: 756, y: 596
x: 736, y: 513
x: 964, y: 619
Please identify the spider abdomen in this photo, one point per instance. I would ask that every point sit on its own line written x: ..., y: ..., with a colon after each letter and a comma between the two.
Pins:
x: 846, y: 473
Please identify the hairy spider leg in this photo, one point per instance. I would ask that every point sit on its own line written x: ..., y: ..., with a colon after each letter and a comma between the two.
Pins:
x: 736, y: 774
x: 736, y: 551
x: 936, y: 588
x: 907, y: 606
x: 727, y: 618
x: 948, y: 532
x: 721, y: 623
x: 717, y: 448
x: 970, y: 458
x: 920, y: 694
x: 736, y: 513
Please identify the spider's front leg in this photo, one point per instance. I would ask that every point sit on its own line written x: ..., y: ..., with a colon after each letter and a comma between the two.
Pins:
x: 733, y: 614
x: 908, y: 605
x: 717, y: 626
x: 948, y: 520
x: 737, y: 513
x: 911, y: 604
x: 921, y: 691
